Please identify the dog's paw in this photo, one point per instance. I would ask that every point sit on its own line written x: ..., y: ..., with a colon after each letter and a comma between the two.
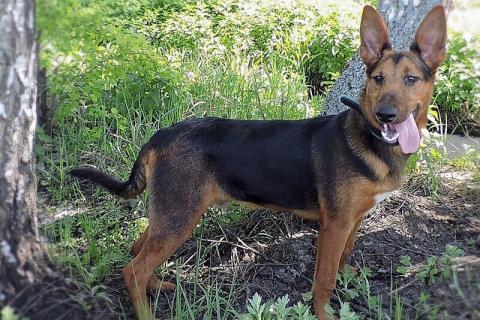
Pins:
x: 158, y: 285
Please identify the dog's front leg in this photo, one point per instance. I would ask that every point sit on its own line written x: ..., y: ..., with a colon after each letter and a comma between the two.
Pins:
x: 331, y: 241
x: 349, y: 244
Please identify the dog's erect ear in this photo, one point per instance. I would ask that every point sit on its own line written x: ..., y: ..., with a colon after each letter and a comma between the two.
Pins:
x: 431, y: 37
x: 373, y: 36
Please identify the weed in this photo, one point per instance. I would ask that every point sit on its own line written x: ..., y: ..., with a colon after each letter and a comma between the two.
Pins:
x: 405, y: 265
x: 436, y: 267
x: 276, y: 310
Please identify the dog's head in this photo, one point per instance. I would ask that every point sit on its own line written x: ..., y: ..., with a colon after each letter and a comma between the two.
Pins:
x: 399, y: 84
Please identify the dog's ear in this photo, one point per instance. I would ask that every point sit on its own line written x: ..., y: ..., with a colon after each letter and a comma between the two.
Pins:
x: 373, y: 36
x: 431, y: 37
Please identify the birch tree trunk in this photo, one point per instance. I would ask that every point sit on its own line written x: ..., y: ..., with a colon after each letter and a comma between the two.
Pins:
x: 23, y: 258
x: 402, y: 18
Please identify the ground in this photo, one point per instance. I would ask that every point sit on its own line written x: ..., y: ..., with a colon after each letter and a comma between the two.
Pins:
x: 274, y: 253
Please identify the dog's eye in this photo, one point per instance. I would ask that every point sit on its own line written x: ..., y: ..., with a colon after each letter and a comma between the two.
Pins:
x: 410, y: 80
x: 378, y: 79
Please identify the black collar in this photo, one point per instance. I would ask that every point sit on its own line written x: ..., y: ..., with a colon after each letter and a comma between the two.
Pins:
x: 374, y: 131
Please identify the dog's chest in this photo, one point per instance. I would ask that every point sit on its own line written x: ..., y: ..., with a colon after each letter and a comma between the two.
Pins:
x: 379, y: 197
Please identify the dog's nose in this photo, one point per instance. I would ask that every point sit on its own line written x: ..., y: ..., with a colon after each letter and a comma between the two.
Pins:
x: 386, y: 114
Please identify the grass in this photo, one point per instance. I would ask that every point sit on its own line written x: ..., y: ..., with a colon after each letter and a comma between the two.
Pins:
x: 119, y: 71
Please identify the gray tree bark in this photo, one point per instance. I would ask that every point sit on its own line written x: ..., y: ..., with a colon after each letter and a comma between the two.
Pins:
x: 23, y: 258
x: 402, y: 18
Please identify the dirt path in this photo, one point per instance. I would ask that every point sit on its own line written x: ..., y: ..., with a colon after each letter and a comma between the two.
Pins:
x: 457, y: 145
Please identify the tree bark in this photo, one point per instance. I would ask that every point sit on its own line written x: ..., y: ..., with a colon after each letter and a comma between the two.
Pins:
x: 23, y: 257
x: 402, y: 18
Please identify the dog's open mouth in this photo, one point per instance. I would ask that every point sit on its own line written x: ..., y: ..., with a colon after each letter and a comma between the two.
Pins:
x: 405, y: 133
x: 389, y: 134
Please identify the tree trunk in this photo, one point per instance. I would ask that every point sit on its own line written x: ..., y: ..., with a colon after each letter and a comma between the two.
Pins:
x: 23, y: 258
x: 402, y: 18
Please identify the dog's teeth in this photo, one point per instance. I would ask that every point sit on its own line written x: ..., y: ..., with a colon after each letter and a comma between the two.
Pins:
x: 387, y: 138
x: 385, y: 135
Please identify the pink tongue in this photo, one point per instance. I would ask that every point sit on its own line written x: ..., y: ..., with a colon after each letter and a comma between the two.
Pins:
x: 409, y: 137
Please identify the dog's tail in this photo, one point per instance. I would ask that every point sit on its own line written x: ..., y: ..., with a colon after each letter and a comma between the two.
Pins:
x: 131, y: 188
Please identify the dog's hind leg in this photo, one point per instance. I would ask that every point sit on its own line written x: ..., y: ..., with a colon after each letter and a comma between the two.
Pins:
x: 137, y: 274
x: 153, y: 283
x: 160, y: 243
x: 178, y: 201
x: 139, y: 243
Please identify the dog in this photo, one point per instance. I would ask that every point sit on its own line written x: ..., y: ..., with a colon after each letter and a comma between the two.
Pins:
x: 331, y: 169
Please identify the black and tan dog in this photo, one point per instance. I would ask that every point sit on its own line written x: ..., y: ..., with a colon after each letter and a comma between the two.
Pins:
x: 328, y: 169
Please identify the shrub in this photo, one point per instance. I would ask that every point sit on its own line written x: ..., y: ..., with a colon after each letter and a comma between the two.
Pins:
x: 458, y: 79
x: 457, y: 92
x: 332, y: 45
x: 100, y: 63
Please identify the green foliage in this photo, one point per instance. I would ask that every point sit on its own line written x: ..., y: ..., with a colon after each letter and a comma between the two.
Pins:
x: 348, y: 282
x: 457, y: 91
x: 208, y: 297
x: 426, y: 309
x: 276, y: 310
x: 354, y: 285
x: 458, y: 84
x: 405, y: 264
x: 345, y: 313
x: 434, y: 267
x: 332, y: 45
x: 439, y: 267
x: 140, y: 51
x: 98, y: 244
x: 112, y: 66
